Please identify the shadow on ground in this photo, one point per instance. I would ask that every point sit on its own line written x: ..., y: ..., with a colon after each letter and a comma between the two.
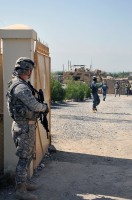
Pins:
x: 76, y: 176
x: 61, y: 105
x: 94, y: 118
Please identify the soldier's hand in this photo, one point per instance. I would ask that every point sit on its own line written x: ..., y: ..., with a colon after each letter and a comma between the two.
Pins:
x: 47, y: 109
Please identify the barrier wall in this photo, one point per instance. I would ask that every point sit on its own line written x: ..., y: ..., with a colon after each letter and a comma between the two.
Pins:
x: 21, y: 41
x: 1, y: 114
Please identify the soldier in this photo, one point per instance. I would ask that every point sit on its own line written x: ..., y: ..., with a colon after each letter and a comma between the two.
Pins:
x: 117, y: 88
x: 94, y: 89
x: 24, y: 109
x: 127, y: 88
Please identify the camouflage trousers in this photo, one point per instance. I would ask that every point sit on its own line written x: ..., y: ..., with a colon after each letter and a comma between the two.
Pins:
x: 23, y: 135
x: 117, y: 91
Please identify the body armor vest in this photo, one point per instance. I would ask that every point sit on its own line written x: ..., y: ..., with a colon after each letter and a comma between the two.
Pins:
x: 10, y: 99
x: 17, y: 110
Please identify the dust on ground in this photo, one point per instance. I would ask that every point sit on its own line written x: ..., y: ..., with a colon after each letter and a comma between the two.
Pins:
x: 94, y: 152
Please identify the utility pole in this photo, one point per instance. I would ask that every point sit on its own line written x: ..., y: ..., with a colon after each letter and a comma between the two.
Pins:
x: 68, y: 65
x: 91, y: 65
x: 63, y: 67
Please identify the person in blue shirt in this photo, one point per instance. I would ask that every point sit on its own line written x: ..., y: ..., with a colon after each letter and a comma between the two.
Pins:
x: 104, y: 90
x: 94, y: 90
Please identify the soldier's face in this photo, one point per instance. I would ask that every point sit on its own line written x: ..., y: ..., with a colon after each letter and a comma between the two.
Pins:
x: 29, y: 72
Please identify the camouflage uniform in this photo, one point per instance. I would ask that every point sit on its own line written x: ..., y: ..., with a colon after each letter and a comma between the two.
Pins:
x: 24, y: 139
x: 24, y: 108
x: 117, y: 88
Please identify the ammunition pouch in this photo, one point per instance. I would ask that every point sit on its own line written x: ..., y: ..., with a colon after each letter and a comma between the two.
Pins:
x: 21, y: 112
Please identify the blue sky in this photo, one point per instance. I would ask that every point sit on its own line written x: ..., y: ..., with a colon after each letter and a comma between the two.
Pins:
x: 81, y: 31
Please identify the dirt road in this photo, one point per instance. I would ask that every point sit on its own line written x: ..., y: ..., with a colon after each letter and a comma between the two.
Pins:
x: 94, y: 152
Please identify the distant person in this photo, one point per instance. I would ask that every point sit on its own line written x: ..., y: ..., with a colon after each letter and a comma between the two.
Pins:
x: 117, y: 88
x: 104, y: 90
x: 94, y: 89
x: 127, y: 88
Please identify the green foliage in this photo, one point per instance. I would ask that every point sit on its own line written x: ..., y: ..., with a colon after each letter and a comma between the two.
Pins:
x: 73, y: 90
x: 119, y: 74
x: 57, y: 92
x: 77, y: 90
x: 87, y: 90
x: 58, y: 73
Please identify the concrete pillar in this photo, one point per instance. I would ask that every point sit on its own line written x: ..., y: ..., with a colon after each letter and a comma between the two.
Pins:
x: 17, y: 41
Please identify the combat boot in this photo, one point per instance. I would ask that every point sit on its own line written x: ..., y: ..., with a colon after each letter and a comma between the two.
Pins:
x: 94, y: 110
x: 22, y: 194
x: 31, y: 187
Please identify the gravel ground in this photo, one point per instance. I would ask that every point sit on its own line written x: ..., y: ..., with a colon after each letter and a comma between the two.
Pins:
x: 94, y: 152
x: 76, y: 128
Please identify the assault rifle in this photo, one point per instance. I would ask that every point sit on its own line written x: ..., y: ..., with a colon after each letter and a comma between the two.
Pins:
x: 43, y: 115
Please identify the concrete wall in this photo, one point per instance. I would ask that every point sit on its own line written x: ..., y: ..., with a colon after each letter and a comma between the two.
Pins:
x: 1, y: 114
x: 16, y: 43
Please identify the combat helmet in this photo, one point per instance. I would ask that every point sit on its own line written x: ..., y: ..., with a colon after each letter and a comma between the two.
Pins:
x: 24, y: 63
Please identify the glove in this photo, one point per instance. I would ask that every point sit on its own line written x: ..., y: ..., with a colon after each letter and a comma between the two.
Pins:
x: 47, y: 109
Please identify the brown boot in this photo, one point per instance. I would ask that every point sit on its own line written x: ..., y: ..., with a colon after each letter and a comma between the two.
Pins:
x: 31, y: 187
x: 21, y: 193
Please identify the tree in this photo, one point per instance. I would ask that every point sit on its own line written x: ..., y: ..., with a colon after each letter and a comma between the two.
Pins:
x: 57, y: 92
